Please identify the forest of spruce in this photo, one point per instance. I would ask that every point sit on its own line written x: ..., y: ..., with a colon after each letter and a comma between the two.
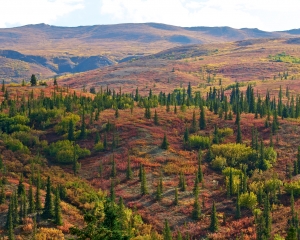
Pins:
x: 220, y: 163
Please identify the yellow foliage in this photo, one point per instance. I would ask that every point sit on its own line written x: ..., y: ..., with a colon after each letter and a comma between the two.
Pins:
x: 49, y: 234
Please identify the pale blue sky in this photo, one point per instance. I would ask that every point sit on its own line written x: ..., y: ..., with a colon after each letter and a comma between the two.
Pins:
x: 269, y: 15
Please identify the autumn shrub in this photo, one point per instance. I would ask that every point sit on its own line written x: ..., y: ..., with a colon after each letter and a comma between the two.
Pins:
x: 236, y: 173
x: 19, y: 127
x: 27, y: 139
x: 49, y: 233
x: 42, y: 117
x: 270, y: 156
x: 224, y: 132
x: 248, y: 200
x: 219, y: 163
x: 99, y: 147
x: 16, y: 145
x: 272, y: 184
x: 11, y: 124
x: 197, y: 141
x: 63, y: 151
x: 293, y: 187
x: 63, y: 126
x: 234, y: 153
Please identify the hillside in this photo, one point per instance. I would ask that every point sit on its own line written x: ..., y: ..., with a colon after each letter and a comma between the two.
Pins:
x: 78, y: 49
x: 248, y: 61
x: 120, y: 159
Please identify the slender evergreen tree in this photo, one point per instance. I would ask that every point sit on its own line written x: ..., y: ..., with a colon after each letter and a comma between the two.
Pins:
x: 48, y: 208
x: 144, y: 189
x: 202, y: 121
x: 10, y: 224
x: 16, y: 218
x: 31, y: 207
x: 33, y: 80
x: 199, y: 172
x: 267, y: 217
x: 239, y: 134
x: 165, y: 144
x: 112, y: 191
x: 238, y: 206
x: 83, y: 126
x: 186, y: 136
x: 176, y: 202
x: 167, y: 234
x: 113, y: 167
x: 21, y: 186
x: 57, y: 209
x: 71, y: 131
x: 156, y: 118
x: 129, y: 174
x: 179, y: 236
x: 196, y: 208
x: 97, y: 138
x: 194, y: 123
x: 158, y: 192
x: 213, y: 219
x: 38, y: 203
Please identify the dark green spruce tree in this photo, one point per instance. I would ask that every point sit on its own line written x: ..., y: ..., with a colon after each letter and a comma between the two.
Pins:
x: 129, y: 174
x: 214, y: 225
x: 57, y: 209
x: 167, y: 234
x: 202, y: 121
x: 165, y: 143
x: 48, y: 208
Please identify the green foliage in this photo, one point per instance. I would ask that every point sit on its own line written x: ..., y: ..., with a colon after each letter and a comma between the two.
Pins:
x: 99, y: 147
x: 33, y: 80
x: 248, y: 200
x: 232, y: 179
x: 234, y: 153
x: 225, y: 132
x: 63, y: 151
x: 197, y: 141
x: 28, y: 139
x: 42, y: 117
x: 294, y: 187
x: 48, y: 207
x: 64, y: 123
x: 16, y: 145
x: 283, y: 57
x: 165, y: 144
x: 15, y: 123
x: 219, y: 163
x: 214, y: 225
x: 109, y: 221
x: 202, y: 120
x: 167, y: 234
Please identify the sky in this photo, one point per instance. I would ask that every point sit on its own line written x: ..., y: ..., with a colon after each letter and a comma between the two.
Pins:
x: 267, y: 15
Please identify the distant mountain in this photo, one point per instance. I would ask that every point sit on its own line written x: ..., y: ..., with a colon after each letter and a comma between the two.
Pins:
x: 48, y: 66
x: 76, y: 49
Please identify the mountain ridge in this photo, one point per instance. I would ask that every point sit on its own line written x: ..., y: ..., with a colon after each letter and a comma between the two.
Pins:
x: 75, y: 49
